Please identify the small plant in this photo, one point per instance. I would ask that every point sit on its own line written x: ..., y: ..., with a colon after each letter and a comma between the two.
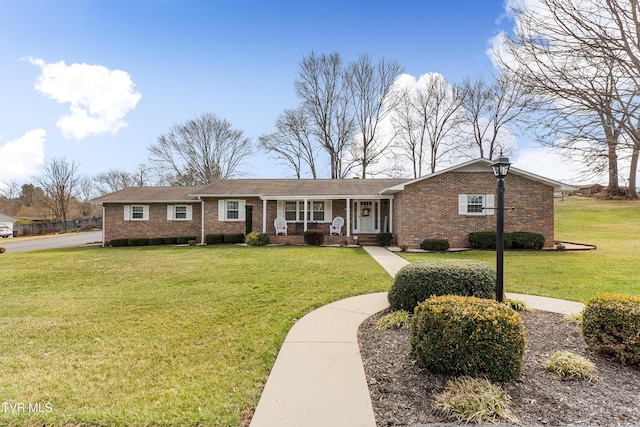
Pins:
x: 561, y: 247
x: 575, y: 318
x: 517, y: 305
x: 571, y: 366
x: 2, y: 250
x: 394, y: 320
x: 474, y: 400
x: 384, y: 239
x: 257, y: 239
x: 314, y: 237
x: 435, y: 245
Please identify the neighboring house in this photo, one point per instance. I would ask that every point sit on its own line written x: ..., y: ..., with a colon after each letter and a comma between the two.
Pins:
x: 6, y: 221
x: 448, y: 204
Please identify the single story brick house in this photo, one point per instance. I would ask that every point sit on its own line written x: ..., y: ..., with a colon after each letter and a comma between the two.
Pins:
x: 448, y: 204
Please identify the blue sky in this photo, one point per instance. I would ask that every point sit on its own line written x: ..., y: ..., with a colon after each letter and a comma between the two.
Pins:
x: 98, y: 81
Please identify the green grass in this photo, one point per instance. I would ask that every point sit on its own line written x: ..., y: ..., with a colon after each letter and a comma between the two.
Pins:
x: 158, y: 335
x: 613, y: 226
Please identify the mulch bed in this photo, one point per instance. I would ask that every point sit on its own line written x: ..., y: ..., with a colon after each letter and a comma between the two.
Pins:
x: 402, y: 392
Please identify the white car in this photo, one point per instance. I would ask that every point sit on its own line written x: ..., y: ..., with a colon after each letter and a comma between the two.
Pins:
x: 5, y: 231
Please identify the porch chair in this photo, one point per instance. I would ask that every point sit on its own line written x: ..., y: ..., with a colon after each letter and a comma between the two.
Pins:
x: 281, y: 226
x: 336, y: 226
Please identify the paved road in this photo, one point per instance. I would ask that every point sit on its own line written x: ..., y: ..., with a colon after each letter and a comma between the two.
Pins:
x: 51, y: 242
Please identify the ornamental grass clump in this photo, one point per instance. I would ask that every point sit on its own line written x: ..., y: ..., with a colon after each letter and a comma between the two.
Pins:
x: 394, y: 320
x: 611, y: 325
x: 474, y: 400
x: 257, y: 239
x: 478, y: 337
x: 571, y: 366
x: 418, y: 281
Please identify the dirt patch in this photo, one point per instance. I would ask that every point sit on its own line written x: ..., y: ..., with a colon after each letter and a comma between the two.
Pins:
x: 402, y: 392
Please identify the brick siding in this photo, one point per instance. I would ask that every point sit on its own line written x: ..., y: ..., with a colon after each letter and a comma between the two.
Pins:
x: 428, y: 209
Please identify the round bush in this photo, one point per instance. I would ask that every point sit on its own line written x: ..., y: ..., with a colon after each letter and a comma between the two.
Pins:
x: 257, y: 239
x: 418, y: 281
x: 314, y: 237
x: 384, y: 239
x: 478, y: 337
x: 611, y: 325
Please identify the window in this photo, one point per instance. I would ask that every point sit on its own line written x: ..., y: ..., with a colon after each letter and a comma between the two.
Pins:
x: 475, y: 204
x: 136, y: 212
x: 291, y: 210
x: 179, y: 213
x: 317, y: 211
x: 231, y: 210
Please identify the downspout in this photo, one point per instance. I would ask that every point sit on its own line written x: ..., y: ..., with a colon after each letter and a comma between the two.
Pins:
x: 104, y: 211
x: 348, y: 217
x: 306, y: 206
x: 391, y: 215
x: 202, y: 204
x: 264, y: 215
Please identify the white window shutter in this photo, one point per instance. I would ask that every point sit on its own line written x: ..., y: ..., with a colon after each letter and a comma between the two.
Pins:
x: 169, y: 212
x: 242, y: 211
x: 127, y: 212
x: 221, y: 210
x: 462, y: 204
x: 189, y: 212
x: 280, y: 209
x: 328, y: 210
x: 489, y: 204
x: 145, y: 212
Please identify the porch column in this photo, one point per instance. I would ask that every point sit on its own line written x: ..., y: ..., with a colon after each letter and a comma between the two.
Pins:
x: 390, y: 215
x: 348, y: 225
x: 264, y: 215
x: 306, y: 207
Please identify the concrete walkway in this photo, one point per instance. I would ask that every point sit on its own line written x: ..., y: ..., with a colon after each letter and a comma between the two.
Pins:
x: 318, y: 378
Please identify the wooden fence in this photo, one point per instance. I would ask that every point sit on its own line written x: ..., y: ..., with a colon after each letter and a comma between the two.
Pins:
x: 37, y: 228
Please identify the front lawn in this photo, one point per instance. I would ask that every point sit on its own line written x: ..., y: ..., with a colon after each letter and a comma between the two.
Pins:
x: 613, y: 226
x: 157, y: 335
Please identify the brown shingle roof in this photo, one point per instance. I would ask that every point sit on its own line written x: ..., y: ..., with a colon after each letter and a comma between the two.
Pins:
x: 297, y: 187
x: 149, y: 194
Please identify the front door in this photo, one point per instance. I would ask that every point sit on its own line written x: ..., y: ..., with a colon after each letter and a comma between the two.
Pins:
x: 366, y: 216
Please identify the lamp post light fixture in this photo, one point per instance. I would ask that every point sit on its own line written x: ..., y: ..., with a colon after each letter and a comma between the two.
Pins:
x: 500, y: 170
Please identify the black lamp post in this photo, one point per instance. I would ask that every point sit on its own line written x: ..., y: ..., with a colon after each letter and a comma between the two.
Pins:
x: 500, y: 170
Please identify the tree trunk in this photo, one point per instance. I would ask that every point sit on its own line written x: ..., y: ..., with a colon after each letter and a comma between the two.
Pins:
x: 633, y: 171
x: 613, y: 188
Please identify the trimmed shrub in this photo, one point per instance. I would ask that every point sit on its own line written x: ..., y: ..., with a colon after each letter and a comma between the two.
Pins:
x: 611, y: 325
x: 212, y: 239
x: 313, y: 237
x: 478, y: 337
x: 418, y: 281
x: 156, y: 241
x: 257, y: 239
x: 436, y: 245
x: 184, y: 240
x: 170, y: 240
x: 138, y: 241
x: 384, y: 239
x: 118, y: 243
x: 526, y: 240
x: 482, y: 240
x: 233, y: 238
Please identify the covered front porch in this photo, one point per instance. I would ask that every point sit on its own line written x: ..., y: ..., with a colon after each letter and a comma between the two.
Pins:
x: 360, y: 216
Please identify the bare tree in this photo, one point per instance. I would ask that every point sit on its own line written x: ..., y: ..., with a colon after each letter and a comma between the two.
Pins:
x: 579, y: 55
x: 200, y: 151
x: 113, y: 180
x: 425, y: 116
x: 60, y: 182
x: 292, y: 142
x: 369, y: 88
x: 325, y: 99
x: 489, y: 107
x: 11, y: 192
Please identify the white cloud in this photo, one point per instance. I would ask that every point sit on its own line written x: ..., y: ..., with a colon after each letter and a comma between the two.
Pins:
x: 22, y: 157
x: 545, y: 162
x: 99, y: 98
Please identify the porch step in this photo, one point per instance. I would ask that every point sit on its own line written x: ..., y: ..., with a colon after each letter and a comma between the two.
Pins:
x: 367, y: 240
